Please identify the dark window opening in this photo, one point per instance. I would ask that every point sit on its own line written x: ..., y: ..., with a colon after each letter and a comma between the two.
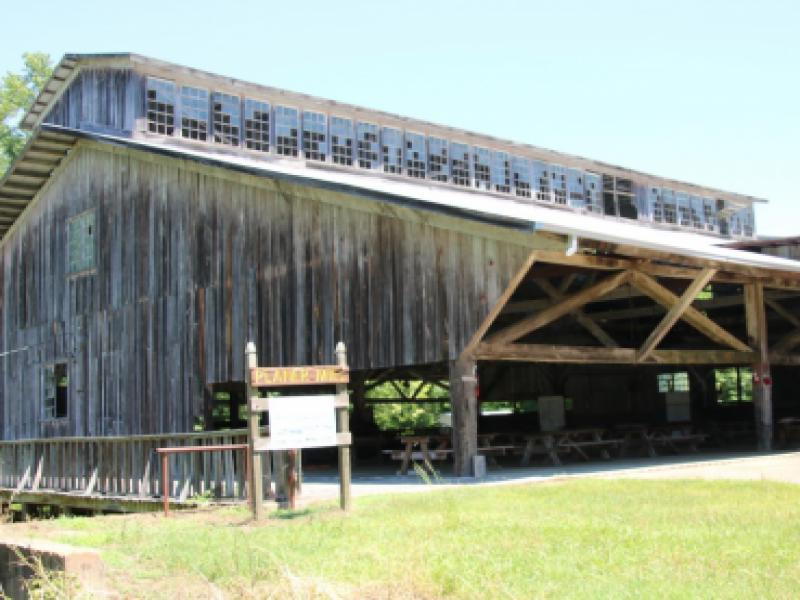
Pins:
x: 227, y: 406
x: 56, y: 386
x: 609, y: 205
x: 627, y: 207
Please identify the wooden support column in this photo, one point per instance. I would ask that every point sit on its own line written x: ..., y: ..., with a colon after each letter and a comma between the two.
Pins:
x: 464, y: 407
x: 762, y: 384
x: 253, y: 418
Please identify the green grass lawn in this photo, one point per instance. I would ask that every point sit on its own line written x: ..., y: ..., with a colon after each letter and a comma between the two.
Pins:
x: 575, y: 539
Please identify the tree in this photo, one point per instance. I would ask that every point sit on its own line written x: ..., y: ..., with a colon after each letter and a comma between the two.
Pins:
x: 17, y: 93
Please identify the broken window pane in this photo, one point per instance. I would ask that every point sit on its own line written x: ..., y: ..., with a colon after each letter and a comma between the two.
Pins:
x: 521, y: 174
x: 227, y: 118
x: 670, y: 209
x: 194, y: 113
x: 592, y: 185
x: 367, y: 134
x: 575, y: 189
x: 160, y: 106
x: 684, y: 219
x: 709, y: 217
x: 256, y: 125
x: 416, y: 157
x: 459, y: 163
x: 438, y: 164
x: 392, y: 141
x: 501, y: 172
x: 315, y: 136
x: 342, y: 134
x: 559, y: 184
x: 286, y: 130
x: 541, y: 174
x: 481, y: 168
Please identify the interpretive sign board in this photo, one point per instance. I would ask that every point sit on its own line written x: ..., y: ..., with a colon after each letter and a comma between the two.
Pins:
x: 302, y: 422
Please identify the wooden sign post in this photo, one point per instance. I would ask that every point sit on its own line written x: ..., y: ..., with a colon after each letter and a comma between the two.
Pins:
x: 298, y: 421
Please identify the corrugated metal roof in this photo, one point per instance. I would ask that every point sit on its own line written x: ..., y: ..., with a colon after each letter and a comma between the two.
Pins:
x: 481, y: 205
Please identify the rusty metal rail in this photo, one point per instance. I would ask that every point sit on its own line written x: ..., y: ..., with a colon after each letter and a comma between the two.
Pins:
x: 165, y: 452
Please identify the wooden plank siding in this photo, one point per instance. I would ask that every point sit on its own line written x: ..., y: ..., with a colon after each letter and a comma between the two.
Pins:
x: 194, y: 261
x: 100, y: 99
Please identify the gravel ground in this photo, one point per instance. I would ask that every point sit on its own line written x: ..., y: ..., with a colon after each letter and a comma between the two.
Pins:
x: 783, y: 466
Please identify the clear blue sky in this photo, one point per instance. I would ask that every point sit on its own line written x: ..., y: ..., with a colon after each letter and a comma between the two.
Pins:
x: 704, y: 91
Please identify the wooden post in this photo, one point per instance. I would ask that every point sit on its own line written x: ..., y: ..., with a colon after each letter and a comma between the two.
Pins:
x: 253, y: 418
x: 291, y: 478
x: 762, y: 384
x: 464, y: 406
x: 343, y: 426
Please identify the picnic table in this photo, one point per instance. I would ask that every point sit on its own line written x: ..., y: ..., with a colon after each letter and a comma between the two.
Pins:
x: 425, y: 448
x: 671, y: 436
x: 788, y: 428
x: 578, y: 441
x: 428, y: 448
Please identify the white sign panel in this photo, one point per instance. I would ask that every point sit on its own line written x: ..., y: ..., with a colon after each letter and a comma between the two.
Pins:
x: 301, y: 422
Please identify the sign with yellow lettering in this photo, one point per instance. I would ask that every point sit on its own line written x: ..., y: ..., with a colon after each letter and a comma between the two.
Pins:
x: 289, y: 376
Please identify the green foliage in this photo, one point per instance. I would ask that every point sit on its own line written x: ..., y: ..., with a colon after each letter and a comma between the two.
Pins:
x: 734, y: 384
x: 408, y: 416
x: 17, y: 93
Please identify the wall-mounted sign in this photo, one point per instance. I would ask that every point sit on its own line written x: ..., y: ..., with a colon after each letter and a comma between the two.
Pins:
x: 302, y: 422
x: 287, y: 376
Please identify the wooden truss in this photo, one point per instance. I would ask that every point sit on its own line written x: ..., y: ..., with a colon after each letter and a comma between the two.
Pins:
x: 639, y: 276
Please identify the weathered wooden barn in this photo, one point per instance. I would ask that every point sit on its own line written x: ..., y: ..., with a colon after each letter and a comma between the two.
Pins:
x: 161, y: 217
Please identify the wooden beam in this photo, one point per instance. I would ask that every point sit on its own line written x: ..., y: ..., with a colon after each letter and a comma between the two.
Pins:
x: 546, y: 353
x: 788, y: 342
x: 644, y: 263
x: 773, y: 304
x: 694, y: 317
x: 673, y: 314
x: 581, y: 317
x: 767, y: 276
x: 500, y: 304
x: 556, y: 311
x: 756, y: 318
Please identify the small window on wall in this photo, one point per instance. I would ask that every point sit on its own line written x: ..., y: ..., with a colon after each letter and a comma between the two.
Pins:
x: 315, y: 145
x: 733, y: 385
x: 56, y: 387
x: 160, y: 106
x: 227, y: 118
x: 392, y: 140
x: 194, y: 113
x: 342, y: 135
x: 80, y: 243
x: 287, y: 125
x: 673, y: 382
x: 256, y: 125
